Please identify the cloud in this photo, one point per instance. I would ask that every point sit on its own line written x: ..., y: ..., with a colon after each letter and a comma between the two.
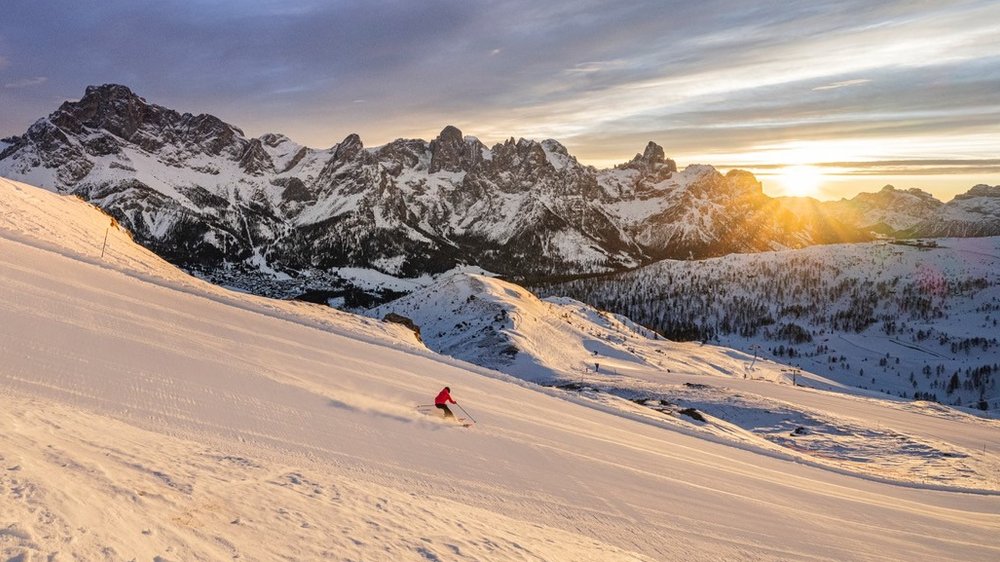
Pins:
x: 596, y: 66
x: 26, y: 82
x: 921, y: 167
x: 710, y: 80
x: 842, y: 84
x: 910, y: 167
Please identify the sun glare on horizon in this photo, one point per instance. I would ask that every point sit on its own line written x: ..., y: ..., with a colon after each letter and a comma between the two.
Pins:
x: 800, y: 180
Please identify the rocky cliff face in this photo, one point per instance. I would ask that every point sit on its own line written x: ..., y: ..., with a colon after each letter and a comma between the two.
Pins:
x: 199, y: 192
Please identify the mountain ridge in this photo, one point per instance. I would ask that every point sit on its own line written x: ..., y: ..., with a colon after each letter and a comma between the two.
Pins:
x: 276, y: 217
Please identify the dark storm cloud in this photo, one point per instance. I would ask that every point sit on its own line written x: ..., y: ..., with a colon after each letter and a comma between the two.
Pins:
x: 712, y: 77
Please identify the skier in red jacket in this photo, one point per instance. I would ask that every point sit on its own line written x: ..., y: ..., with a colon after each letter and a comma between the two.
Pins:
x: 442, y: 400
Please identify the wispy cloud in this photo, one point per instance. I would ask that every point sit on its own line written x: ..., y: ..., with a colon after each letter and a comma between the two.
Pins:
x: 843, y: 84
x: 26, y: 82
x: 912, y: 167
x: 596, y: 66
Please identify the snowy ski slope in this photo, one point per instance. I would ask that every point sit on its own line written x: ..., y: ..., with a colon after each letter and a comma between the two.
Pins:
x: 147, y: 415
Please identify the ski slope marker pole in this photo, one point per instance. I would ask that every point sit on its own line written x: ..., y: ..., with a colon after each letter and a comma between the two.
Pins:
x: 105, y: 245
x: 466, y: 413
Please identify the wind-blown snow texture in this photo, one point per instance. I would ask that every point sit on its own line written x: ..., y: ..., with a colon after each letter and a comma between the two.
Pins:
x: 149, y: 415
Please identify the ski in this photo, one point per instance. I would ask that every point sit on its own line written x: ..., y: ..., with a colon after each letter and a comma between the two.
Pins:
x: 433, y: 411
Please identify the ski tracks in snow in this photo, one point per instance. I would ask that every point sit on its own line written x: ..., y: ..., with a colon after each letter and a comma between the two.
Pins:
x: 186, y: 501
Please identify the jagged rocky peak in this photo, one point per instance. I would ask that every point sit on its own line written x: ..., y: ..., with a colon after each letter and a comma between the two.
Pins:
x: 450, y: 135
x: 525, y: 158
x: 652, y: 159
x: 653, y: 153
x: 446, y: 150
x: 401, y: 154
x: 112, y: 91
x: 349, y: 147
x: 552, y: 145
x: 116, y: 110
x: 557, y: 154
x: 451, y: 152
x: 348, y: 156
x: 110, y: 107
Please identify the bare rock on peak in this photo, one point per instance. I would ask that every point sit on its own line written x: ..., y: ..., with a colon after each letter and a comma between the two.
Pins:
x: 652, y: 159
x: 653, y: 153
x: 450, y: 152
x: 450, y: 134
x: 349, y: 147
x: 255, y: 160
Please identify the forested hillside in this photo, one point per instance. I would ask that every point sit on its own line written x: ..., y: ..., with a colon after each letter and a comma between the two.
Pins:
x: 914, y: 320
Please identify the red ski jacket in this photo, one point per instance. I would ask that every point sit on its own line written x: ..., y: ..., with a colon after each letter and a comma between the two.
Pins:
x: 443, y: 397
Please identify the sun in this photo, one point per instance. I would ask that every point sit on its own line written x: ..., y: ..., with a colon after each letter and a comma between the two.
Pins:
x: 801, y: 181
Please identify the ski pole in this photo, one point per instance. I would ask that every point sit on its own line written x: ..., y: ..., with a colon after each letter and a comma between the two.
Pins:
x: 466, y: 413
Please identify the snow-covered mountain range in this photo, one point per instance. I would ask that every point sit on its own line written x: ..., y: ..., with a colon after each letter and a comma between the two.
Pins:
x: 146, y: 414
x: 279, y: 218
x: 913, y: 213
x: 889, y: 211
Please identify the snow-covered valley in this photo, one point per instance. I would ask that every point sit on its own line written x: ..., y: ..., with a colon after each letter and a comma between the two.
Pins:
x: 149, y: 415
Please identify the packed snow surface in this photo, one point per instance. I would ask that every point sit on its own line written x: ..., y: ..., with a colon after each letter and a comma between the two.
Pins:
x: 147, y: 415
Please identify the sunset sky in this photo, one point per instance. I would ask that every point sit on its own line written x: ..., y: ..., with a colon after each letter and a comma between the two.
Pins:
x: 817, y: 98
